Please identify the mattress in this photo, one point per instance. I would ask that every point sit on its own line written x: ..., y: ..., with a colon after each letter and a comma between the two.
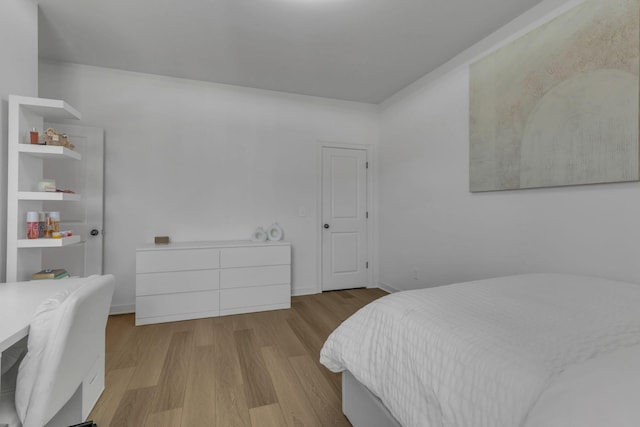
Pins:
x: 482, y: 353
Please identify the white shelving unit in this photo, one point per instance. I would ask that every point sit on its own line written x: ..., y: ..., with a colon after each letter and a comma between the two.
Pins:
x: 36, y: 195
x: 25, y: 170
x: 48, y: 243
x: 48, y: 152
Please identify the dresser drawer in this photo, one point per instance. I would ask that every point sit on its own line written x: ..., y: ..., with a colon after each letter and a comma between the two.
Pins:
x: 180, y: 303
x: 177, y: 260
x: 246, y: 300
x: 255, y: 256
x: 180, y: 281
x: 255, y: 276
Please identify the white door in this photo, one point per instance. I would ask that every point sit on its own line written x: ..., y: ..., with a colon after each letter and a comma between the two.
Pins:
x: 344, y: 218
x: 84, y: 217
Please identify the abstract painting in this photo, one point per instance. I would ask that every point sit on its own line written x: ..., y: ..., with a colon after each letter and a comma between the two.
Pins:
x: 560, y: 105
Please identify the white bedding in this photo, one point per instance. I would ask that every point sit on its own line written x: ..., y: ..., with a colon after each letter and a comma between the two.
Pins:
x: 481, y: 353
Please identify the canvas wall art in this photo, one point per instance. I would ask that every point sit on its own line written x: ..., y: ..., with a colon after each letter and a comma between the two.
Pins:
x: 560, y: 105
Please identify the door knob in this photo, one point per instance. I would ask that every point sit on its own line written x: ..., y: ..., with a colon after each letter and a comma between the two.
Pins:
x: 94, y: 232
x: 326, y: 226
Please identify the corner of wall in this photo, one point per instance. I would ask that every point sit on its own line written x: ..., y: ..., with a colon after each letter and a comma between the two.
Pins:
x: 18, y: 75
x: 387, y: 287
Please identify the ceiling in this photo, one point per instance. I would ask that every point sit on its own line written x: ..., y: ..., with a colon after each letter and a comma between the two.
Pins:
x: 357, y: 50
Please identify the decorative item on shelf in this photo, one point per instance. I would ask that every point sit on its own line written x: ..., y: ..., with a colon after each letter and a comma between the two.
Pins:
x: 42, y: 217
x: 32, y: 225
x: 41, y: 225
x: 55, y: 221
x: 48, y: 226
x: 259, y: 235
x: 47, y: 185
x: 275, y: 232
x: 33, y: 136
x: 161, y: 240
x: 52, y: 137
x: 61, y: 234
x: 49, y: 273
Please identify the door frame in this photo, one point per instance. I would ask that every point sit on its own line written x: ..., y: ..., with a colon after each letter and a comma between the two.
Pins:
x: 372, y: 238
x: 98, y: 133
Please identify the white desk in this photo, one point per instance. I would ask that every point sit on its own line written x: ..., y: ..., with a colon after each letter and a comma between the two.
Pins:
x: 18, y: 303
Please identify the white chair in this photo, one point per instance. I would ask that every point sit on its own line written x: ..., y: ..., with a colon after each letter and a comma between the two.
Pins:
x: 13, y: 355
x: 64, y: 337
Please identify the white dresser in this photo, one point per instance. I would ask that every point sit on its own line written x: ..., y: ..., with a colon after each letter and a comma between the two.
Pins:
x: 190, y: 280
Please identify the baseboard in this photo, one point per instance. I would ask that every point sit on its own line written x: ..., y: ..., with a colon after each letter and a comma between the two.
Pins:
x: 387, y: 287
x: 123, y: 309
x: 304, y: 291
x: 131, y: 308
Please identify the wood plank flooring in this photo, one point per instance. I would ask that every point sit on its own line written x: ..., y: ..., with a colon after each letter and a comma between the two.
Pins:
x: 258, y: 369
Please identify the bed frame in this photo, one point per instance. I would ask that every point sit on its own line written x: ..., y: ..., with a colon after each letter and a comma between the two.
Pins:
x: 363, y: 408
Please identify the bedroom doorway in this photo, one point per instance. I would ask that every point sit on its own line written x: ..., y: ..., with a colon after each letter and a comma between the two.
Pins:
x: 344, y: 218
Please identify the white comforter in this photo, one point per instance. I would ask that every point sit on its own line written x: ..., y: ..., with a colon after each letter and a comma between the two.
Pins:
x: 481, y: 353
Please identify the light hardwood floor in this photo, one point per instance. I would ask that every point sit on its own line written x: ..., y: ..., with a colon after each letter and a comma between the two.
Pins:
x: 258, y: 369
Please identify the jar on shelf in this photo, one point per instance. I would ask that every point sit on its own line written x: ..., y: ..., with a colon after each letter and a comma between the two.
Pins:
x: 55, y: 220
x: 48, y: 227
x: 42, y: 217
x: 32, y: 225
x: 33, y: 136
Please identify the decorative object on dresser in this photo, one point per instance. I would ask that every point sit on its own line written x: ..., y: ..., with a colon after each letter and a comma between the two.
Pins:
x: 190, y: 280
x: 275, y: 232
x: 161, y: 240
x: 259, y: 235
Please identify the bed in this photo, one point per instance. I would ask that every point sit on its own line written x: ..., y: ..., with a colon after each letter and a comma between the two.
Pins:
x: 529, y: 350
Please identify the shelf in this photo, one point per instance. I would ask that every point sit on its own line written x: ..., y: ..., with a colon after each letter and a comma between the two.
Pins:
x: 27, y: 164
x: 49, y: 195
x: 49, y: 151
x: 48, y: 243
x: 48, y: 109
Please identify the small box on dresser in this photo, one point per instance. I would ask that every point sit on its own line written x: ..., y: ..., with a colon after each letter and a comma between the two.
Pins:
x: 190, y: 280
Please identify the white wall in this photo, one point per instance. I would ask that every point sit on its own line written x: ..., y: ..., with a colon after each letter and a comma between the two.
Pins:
x: 19, y: 76
x: 431, y: 225
x: 200, y: 161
